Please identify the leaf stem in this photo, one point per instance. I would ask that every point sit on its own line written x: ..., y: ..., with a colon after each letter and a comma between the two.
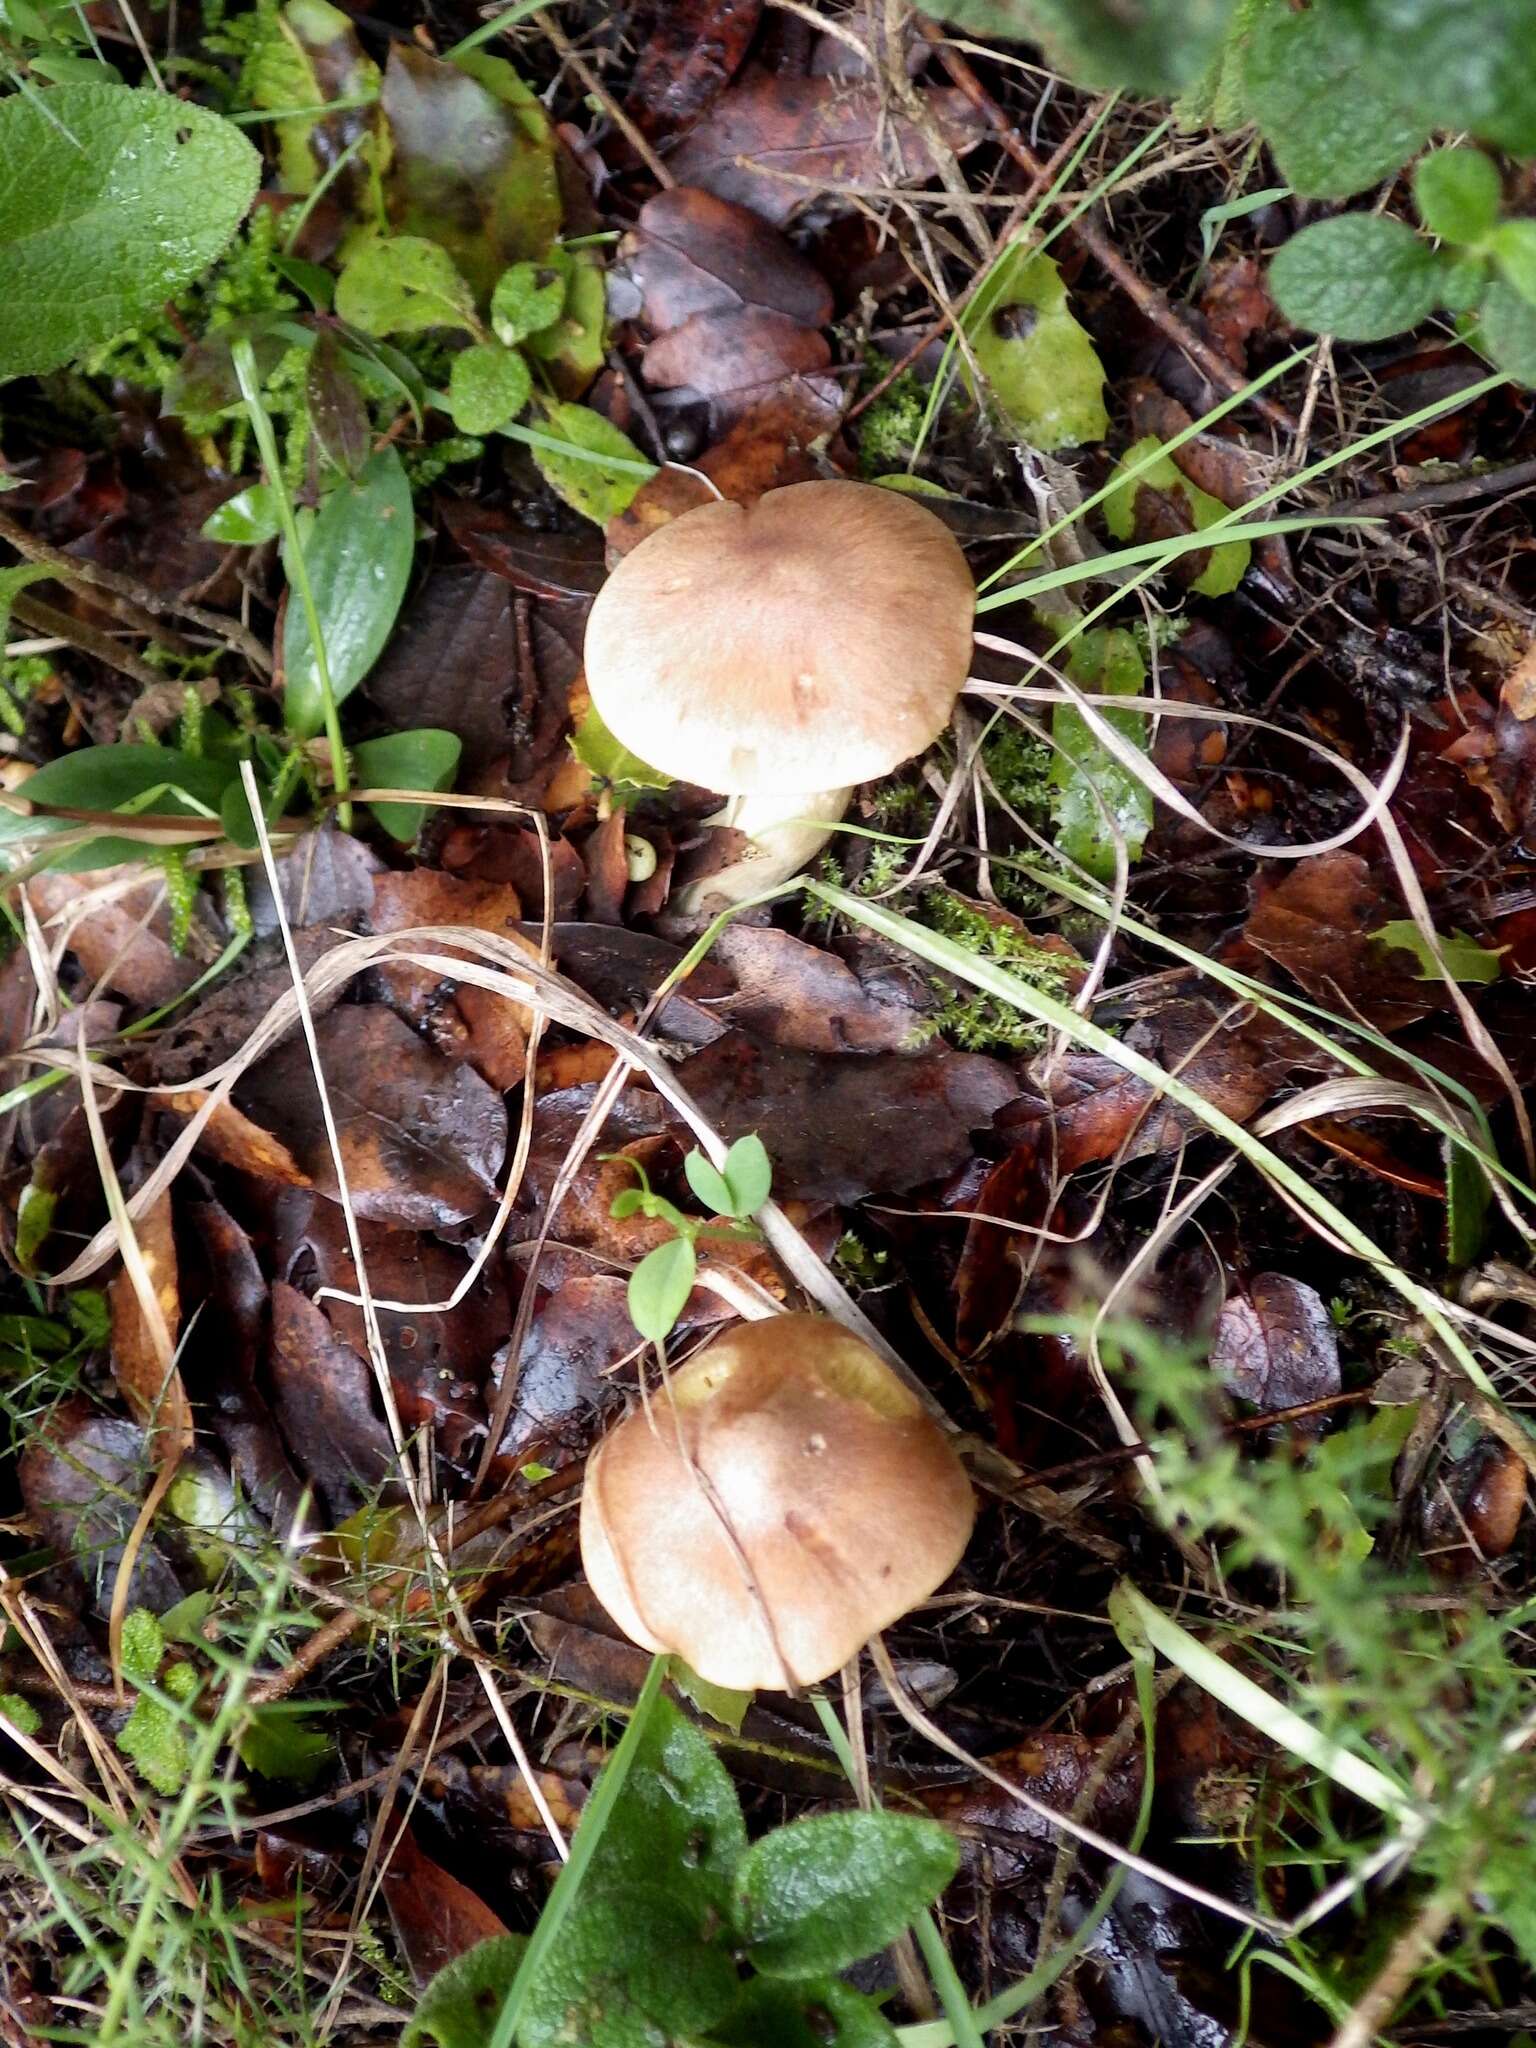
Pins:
x: 298, y: 570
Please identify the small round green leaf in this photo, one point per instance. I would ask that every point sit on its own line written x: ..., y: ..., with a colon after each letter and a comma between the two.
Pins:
x: 424, y: 758
x: 1463, y: 280
x: 1514, y: 251
x: 246, y: 519
x: 824, y: 1892
x: 528, y: 298
x: 711, y: 1186
x: 660, y: 1285
x: 748, y: 1174
x: 402, y: 284
x: 1508, y: 332
x: 1358, y: 277
x: 487, y: 386
x: 1457, y: 193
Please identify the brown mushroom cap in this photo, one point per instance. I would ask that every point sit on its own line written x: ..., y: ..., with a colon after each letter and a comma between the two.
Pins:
x: 785, y: 1498
x: 815, y: 638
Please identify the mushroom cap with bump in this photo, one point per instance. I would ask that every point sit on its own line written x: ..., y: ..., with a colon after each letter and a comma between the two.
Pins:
x: 815, y: 638
x: 779, y: 1500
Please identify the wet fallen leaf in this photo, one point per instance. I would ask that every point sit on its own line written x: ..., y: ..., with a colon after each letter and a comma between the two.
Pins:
x: 435, y: 1915
x: 843, y: 1128
x: 452, y: 663
x: 224, y: 1019
x: 143, y: 1351
x: 118, y: 934
x: 1039, y: 365
x: 326, y: 877
x: 1312, y: 921
x: 775, y: 142
x: 1518, y: 692
x: 562, y: 568
x: 234, y: 1140
x: 563, y: 1387
x: 1236, y: 305
x: 1275, y: 1344
x: 798, y: 996
x: 464, y: 1022
x: 1475, y: 1509
x: 82, y: 1477
x: 422, y: 1139
x: 1055, y: 1768
x: 513, y: 853
x: 472, y: 161
x: 693, y: 50
x: 324, y: 1396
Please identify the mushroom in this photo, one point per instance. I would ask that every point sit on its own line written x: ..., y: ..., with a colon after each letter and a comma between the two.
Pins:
x: 783, y: 1498
x: 780, y: 653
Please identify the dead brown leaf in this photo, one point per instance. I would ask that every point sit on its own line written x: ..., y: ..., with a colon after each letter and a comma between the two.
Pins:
x: 143, y: 1348
x: 435, y: 1915
x: 1275, y: 1344
x: 775, y: 142
x: 691, y: 254
x: 121, y: 944
x: 464, y: 1022
x: 809, y: 1000
x: 422, y: 1139
x: 563, y: 1387
x: 235, y: 1141
x: 1315, y: 921
x: 325, y: 1405
x: 1518, y: 693
x: 691, y: 53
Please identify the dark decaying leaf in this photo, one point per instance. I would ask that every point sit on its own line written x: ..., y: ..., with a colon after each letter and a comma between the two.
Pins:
x: 621, y: 969
x: 82, y: 1477
x: 435, y: 1915
x: 338, y: 415
x: 144, y: 1345
x: 324, y: 1395
x: 468, y: 170
x: 799, y: 996
x: 463, y: 1022
x: 326, y: 877
x: 234, y: 1140
x: 452, y: 663
x: 564, y: 1385
x: 691, y: 52
x: 774, y: 142
x: 1276, y: 1344
x: 1315, y: 921
x: 1475, y: 1508
x: 847, y: 1127
x: 422, y: 1139
x: 563, y: 568
x: 690, y: 253
x: 224, y: 1019
x: 121, y: 940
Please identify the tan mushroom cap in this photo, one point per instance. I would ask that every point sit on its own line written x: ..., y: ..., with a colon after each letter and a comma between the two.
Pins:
x: 844, y: 1502
x: 816, y: 638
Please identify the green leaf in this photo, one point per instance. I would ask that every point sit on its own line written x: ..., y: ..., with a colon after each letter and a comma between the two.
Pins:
x: 472, y: 164
x: 573, y: 436
x: 1508, y: 330
x: 1229, y: 559
x: 1468, y: 961
x: 1460, y: 63
x: 709, y: 1185
x: 819, y: 2012
x: 1039, y: 364
x: 338, y: 411
x: 1152, y: 46
x: 281, y: 1741
x: 637, y: 1966
x: 572, y: 344
x: 1093, y: 789
x: 359, y: 555
x: 824, y: 1892
x: 459, y: 2007
x: 749, y: 1174
x: 132, y: 778
x: 424, y: 758
x: 609, y: 760
x: 487, y: 386
x: 308, y: 54
x: 1302, y: 76
x: 660, y: 1285
x: 1514, y: 251
x: 20, y: 1713
x: 403, y: 284
x: 720, y: 1702
x: 112, y: 201
x: 245, y: 520
x: 1218, y: 97
x: 678, y: 1812
x: 1359, y: 277
x: 1457, y: 192
x: 1463, y: 281
x: 528, y: 297
x: 1468, y: 1198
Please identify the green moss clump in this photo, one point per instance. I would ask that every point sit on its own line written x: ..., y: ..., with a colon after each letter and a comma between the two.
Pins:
x: 970, y: 1018
x: 888, y: 431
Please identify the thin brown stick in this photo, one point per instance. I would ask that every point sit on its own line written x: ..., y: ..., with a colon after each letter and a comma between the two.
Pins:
x: 43, y: 618
x: 1147, y: 299
x: 547, y: 25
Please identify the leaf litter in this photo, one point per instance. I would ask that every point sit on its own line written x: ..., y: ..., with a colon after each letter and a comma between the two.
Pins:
x: 511, y: 1022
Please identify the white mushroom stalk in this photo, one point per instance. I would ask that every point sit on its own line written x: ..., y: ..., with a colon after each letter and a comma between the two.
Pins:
x: 784, y: 834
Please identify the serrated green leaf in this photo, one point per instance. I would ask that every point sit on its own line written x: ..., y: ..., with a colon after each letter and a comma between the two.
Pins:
x: 358, y: 554
x: 1040, y: 367
x: 424, y: 758
x: 1514, y: 251
x: 245, y: 520
x: 708, y: 1184
x: 1507, y: 325
x: 1468, y: 961
x: 403, y: 284
x: 678, y: 1812
x: 459, y: 2007
x: 1462, y: 64
x: 636, y: 1966
x: 1229, y: 559
x: 1463, y: 281
x: 1359, y: 277
x: 824, y: 1892
x: 611, y: 761
x: 282, y: 1740
x: 1094, y: 792
x: 1457, y: 192
x: 528, y: 298
x: 660, y: 1286
x: 572, y: 345
x: 487, y: 386
x: 1151, y: 46
x: 748, y: 1174
x: 815, y: 2012
x: 1302, y: 83
x: 1218, y: 98
x: 111, y: 202
x: 569, y: 440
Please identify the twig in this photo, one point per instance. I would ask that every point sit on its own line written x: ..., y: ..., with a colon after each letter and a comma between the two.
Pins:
x: 32, y: 611
x: 70, y: 569
x: 547, y: 25
x: 1147, y: 299
x: 1458, y: 490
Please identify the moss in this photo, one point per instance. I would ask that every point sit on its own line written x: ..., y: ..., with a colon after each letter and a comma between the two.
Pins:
x: 1020, y: 768
x: 970, y: 1018
x: 888, y: 431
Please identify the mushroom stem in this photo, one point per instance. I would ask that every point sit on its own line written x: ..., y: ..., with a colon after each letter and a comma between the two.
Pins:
x: 783, y: 834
